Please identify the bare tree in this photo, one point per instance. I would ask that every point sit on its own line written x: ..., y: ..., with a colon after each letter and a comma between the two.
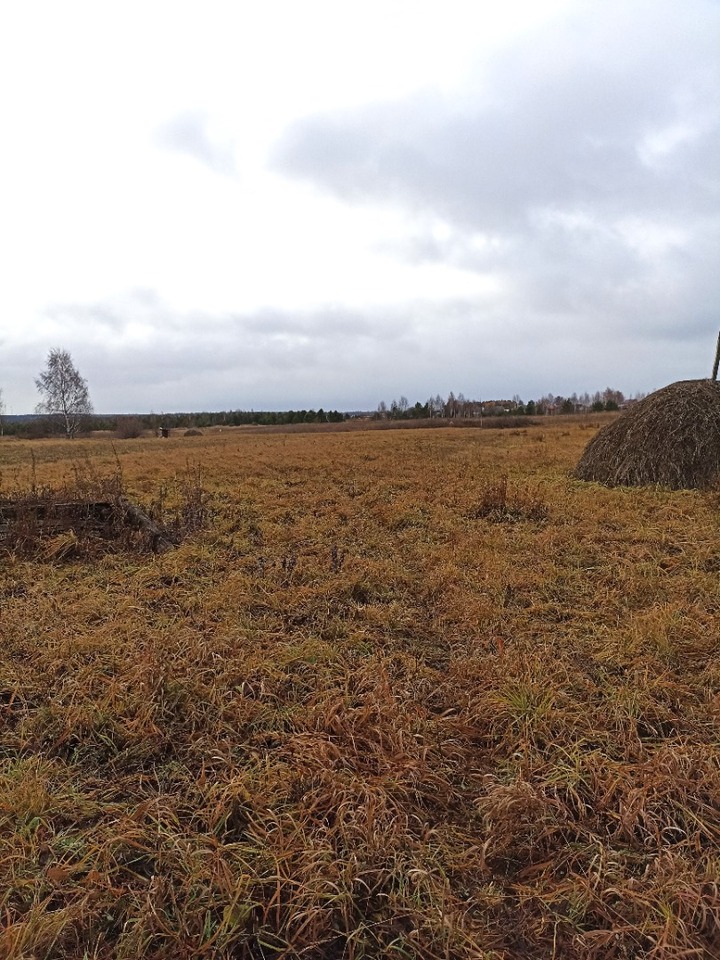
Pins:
x: 451, y: 408
x: 64, y: 391
x: 436, y: 405
x: 2, y: 414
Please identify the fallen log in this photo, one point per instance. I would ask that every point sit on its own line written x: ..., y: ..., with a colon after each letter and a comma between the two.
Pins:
x: 159, y: 539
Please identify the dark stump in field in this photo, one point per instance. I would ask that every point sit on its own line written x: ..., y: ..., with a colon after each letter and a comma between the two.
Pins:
x: 670, y: 439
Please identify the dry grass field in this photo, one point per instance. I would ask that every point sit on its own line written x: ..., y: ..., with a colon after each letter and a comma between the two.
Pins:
x: 395, y: 694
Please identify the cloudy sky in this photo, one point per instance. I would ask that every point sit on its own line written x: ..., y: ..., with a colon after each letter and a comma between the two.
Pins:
x: 236, y: 205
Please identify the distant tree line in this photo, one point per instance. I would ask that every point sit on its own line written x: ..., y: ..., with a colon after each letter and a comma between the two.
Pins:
x: 134, y: 425
x: 239, y: 418
x: 460, y: 406
x: 453, y: 406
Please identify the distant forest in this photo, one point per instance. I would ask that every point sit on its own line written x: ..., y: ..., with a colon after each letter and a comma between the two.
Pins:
x: 452, y: 406
x: 460, y: 406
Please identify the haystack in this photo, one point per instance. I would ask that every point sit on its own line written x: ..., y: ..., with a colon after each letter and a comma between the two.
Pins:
x: 671, y: 438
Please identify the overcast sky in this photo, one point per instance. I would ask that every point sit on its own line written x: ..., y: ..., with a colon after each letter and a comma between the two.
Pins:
x: 283, y: 204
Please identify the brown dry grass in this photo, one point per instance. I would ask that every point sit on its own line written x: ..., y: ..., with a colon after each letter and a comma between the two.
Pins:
x: 413, y: 694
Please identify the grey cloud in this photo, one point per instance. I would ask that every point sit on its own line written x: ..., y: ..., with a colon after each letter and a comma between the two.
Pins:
x: 334, y: 357
x: 334, y: 323
x: 277, y: 359
x: 556, y: 122
x: 606, y: 119
x: 110, y: 320
x: 99, y: 316
x: 189, y: 133
x: 139, y: 353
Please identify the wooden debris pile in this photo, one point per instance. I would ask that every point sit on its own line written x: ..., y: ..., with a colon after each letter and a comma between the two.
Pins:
x: 56, y: 528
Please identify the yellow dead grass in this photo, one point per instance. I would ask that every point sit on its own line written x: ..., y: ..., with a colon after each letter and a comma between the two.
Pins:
x: 406, y: 694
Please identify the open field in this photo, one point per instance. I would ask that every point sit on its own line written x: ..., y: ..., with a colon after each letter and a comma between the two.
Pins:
x: 403, y: 694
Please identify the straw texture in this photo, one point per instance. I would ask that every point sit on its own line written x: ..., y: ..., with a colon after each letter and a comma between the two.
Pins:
x: 671, y: 438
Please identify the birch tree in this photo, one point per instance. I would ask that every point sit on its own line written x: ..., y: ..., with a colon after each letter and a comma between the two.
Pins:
x: 64, y: 392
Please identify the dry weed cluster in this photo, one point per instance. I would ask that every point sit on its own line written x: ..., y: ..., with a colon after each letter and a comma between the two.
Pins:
x: 352, y: 716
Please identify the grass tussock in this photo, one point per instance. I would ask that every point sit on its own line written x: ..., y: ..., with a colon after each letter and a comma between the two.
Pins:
x: 341, y: 721
x: 500, y: 502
